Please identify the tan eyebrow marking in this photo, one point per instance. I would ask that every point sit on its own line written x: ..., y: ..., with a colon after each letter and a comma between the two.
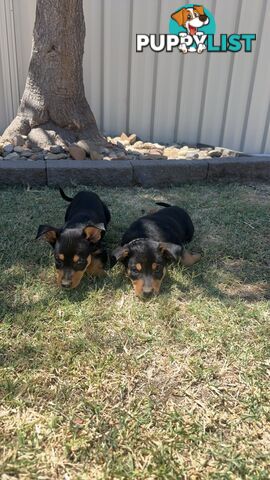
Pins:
x: 154, y: 266
x: 61, y: 256
x: 139, y: 267
x: 76, y: 258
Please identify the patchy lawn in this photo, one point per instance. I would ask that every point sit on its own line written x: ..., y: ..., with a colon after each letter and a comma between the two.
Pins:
x: 97, y: 384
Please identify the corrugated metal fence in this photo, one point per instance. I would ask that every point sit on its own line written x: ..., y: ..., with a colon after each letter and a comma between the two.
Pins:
x: 219, y: 98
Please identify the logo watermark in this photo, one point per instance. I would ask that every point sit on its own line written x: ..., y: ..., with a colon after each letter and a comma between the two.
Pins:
x: 193, y: 30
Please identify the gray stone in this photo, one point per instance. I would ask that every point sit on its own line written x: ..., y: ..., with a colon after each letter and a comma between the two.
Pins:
x: 37, y: 156
x: 22, y: 173
x: 55, y: 156
x: 239, y: 169
x: 18, y: 149
x: 94, y: 155
x: 90, y: 172
x: 36, y: 149
x: 12, y: 156
x: 1, y: 158
x: 56, y: 149
x: 160, y: 173
x: 8, y: 148
x: 122, y: 156
x: 19, y: 140
x: 27, y: 153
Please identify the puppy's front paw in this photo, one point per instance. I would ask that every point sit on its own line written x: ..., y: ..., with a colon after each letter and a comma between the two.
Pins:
x: 183, y: 48
x: 201, y: 48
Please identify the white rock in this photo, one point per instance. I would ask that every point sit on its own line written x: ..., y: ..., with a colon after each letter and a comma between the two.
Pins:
x: 191, y: 155
x: 132, y: 139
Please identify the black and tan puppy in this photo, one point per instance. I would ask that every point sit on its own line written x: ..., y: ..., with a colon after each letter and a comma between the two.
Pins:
x: 150, y: 243
x: 77, y: 245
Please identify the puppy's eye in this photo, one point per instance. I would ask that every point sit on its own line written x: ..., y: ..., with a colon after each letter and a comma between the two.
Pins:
x: 58, y: 262
x: 134, y: 272
x: 189, y: 17
x: 80, y: 261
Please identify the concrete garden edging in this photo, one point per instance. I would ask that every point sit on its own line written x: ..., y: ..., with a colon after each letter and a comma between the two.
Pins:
x: 127, y: 173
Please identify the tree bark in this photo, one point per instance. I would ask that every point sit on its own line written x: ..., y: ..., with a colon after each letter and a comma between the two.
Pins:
x: 54, y: 96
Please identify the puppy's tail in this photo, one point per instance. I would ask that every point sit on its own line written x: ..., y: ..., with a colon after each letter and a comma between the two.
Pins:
x: 162, y: 204
x: 64, y: 196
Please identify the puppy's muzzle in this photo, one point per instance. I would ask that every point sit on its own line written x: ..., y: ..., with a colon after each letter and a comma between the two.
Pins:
x: 147, y: 293
x: 66, y: 281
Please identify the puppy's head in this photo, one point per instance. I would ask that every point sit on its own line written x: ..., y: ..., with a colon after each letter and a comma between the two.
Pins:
x: 145, y: 263
x: 73, y: 248
x: 191, y: 18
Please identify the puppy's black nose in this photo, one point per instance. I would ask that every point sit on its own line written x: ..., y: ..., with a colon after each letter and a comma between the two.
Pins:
x: 203, y: 18
x: 147, y: 294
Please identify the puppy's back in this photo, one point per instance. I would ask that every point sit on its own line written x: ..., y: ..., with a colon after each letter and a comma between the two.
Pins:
x: 170, y: 224
x: 88, y: 203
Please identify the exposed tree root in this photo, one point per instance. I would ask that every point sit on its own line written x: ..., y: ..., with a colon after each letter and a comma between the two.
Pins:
x: 48, y: 134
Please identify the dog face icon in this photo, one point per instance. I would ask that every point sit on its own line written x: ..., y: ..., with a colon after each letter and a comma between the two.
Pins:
x: 192, y: 19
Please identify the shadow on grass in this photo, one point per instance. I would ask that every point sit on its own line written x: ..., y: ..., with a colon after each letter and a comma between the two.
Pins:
x: 35, y: 317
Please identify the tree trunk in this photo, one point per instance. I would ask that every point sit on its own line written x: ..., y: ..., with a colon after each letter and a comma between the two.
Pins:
x: 54, y: 96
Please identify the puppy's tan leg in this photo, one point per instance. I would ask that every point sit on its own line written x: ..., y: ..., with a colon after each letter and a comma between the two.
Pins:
x: 188, y: 259
x: 96, y: 268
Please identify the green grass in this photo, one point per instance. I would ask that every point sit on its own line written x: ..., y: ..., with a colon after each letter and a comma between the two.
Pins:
x: 96, y: 384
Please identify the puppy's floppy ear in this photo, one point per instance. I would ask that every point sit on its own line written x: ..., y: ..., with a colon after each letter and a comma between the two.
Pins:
x: 199, y: 9
x: 177, y: 252
x: 202, y: 15
x: 188, y: 259
x: 48, y: 233
x: 171, y: 251
x: 93, y: 232
x: 179, y: 17
x: 119, y: 254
